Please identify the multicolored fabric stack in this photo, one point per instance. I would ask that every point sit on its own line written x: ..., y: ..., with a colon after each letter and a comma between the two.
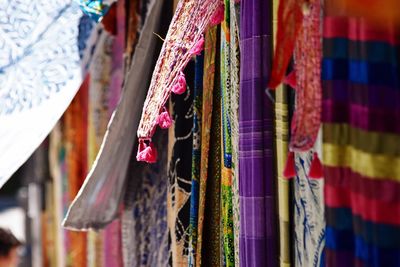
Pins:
x: 361, y: 140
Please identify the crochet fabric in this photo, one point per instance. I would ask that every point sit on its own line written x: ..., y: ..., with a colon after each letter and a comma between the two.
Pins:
x: 184, y: 38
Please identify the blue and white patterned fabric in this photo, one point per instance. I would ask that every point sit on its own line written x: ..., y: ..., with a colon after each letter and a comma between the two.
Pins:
x: 309, y: 221
x: 39, y: 73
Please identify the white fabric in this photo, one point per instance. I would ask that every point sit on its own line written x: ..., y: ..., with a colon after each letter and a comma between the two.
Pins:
x: 39, y: 74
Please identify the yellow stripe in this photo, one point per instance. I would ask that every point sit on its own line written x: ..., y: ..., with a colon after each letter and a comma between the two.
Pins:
x: 375, y: 166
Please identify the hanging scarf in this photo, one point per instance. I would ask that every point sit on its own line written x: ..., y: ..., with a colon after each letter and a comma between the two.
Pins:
x: 299, y: 29
x: 184, y: 39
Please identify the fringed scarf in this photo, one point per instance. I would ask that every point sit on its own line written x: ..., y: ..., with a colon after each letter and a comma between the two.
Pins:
x: 184, y: 39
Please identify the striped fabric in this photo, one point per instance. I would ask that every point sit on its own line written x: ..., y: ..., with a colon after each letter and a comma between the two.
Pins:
x: 281, y: 147
x: 361, y: 142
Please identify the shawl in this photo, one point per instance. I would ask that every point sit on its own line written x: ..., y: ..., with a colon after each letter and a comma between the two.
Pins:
x: 299, y: 32
x: 184, y: 39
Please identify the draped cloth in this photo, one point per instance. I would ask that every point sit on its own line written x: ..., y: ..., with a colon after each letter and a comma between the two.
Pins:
x: 234, y: 121
x: 282, y: 119
x: 361, y: 142
x: 76, y: 165
x: 211, y: 238
x: 186, y: 30
x: 179, y: 173
x: 39, y: 74
x: 196, y: 156
x: 308, y: 212
x: 144, y: 217
x: 226, y: 144
x: 258, y: 231
x: 109, y: 169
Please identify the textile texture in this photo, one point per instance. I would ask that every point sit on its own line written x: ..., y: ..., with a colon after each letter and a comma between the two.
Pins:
x: 144, y: 219
x: 39, y: 74
x: 76, y: 166
x: 258, y: 230
x: 361, y: 144
x: 196, y: 156
x: 186, y: 30
x: 212, y: 250
x: 179, y: 173
x: 206, y: 124
x: 234, y: 122
x: 309, y: 220
x: 226, y: 144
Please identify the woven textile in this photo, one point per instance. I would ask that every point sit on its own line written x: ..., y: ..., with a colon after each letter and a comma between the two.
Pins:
x: 282, y: 143
x: 211, y: 249
x: 179, y: 173
x: 186, y: 30
x: 234, y: 122
x: 361, y: 142
x: 226, y: 148
x: 258, y: 230
x: 206, y: 124
x: 196, y: 156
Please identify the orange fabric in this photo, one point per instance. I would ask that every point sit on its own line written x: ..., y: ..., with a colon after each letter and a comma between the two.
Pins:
x: 290, y: 17
x: 76, y: 148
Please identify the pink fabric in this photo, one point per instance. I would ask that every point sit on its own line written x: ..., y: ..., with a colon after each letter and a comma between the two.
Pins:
x: 184, y: 38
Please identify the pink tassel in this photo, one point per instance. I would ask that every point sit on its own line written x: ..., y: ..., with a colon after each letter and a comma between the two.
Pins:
x: 289, y: 171
x: 198, y: 47
x: 180, y: 87
x: 146, y: 153
x: 316, y: 171
x: 218, y: 16
x: 164, y: 120
x: 291, y: 80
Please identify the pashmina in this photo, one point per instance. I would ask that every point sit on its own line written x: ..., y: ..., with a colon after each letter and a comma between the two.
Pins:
x: 226, y: 144
x: 39, y: 74
x: 144, y: 217
x: 109, y: 169
x: 258, y: 229
x: 361, y: 142
x: 184, y: 39
x: 179, y: 173
x: 196, y: 156
x: 206, y: 126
